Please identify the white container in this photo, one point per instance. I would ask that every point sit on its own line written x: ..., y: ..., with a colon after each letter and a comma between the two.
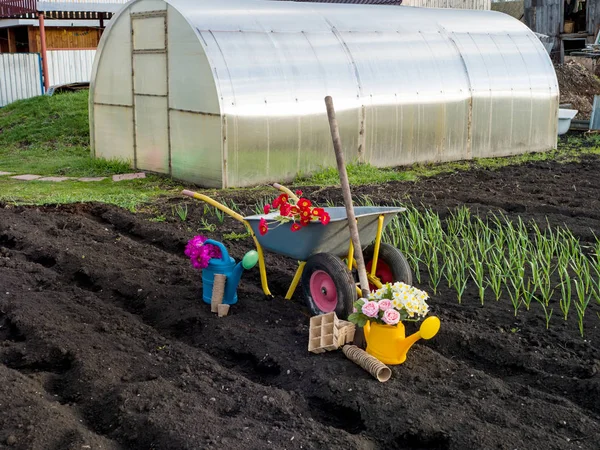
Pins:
x: 564, y: 119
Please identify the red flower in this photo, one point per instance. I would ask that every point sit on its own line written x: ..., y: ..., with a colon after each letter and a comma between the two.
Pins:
x: 304, y: 203
x: 276, y: 203
x: 318, y: 212
x: 267, y: 208
x: 295, y: 210
x: 285, y: 209
x: 305, y: 222
x: 263, y: 227
x: 299, y: 193
x: 283, y: 198
x: 296, y: 226
x: 325, y: 218
x: 305, y: 214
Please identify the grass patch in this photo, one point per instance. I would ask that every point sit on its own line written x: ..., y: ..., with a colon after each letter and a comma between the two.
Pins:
x: 50, y: 136
x: 40, y: 163
x: 126, y: 194
x: 570, y: 149
x: 357, y: 174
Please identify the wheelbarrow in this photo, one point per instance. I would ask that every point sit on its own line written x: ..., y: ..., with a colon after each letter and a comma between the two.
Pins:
x: 325, y: 254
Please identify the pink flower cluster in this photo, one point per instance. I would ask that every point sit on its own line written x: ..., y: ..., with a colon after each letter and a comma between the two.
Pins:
x: 389, y: 305
x: 199, y: 253
x: 390, y: 315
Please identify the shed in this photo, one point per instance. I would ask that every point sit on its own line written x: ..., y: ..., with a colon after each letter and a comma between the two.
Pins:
x: 230, y: 93
x: 571, y: 24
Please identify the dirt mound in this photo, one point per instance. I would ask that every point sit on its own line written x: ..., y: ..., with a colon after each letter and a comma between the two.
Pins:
x: 577, y: 87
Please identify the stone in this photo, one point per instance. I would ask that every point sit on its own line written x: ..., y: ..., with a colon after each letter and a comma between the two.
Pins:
x: 55, y: 179
x: 91, y: 179
x: 5, y: 173
x: 128, y: 176
x: 27, y: 177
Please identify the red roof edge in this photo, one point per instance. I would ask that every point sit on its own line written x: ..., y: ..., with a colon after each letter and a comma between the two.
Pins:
x: 12, y: 8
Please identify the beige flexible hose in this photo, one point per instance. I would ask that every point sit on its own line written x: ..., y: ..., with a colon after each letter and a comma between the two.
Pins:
x: 218, y: 292
x: 367, y: 362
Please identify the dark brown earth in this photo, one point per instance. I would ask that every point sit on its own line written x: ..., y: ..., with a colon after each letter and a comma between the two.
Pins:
x: 105, y: 343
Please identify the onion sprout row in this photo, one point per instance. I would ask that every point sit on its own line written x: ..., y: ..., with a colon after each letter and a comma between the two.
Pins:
x: 498, y: 256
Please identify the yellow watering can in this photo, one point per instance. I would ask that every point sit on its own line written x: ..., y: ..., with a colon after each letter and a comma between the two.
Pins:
x: 389, y: 344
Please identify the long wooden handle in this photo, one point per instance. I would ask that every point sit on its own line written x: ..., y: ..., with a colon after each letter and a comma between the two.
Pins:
x: 337, y: 146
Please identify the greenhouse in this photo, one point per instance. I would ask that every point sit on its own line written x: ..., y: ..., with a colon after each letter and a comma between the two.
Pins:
x: 231, y: 93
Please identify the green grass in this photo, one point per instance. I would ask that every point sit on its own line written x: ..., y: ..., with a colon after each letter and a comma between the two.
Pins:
x: 50, y: 136
x: 570, y: 149
x: 126, y: 194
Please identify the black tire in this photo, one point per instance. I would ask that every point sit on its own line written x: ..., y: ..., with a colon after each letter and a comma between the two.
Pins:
x: 394, y: 259
x: 341, y: 277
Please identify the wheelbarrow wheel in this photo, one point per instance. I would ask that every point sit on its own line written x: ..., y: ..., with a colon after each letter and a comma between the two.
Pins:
x: 392, y: 266
x: 328, y: 285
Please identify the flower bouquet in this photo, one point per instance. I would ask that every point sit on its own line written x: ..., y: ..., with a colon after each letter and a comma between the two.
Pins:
x: 200, y: 253
x: 391, y: 304
x: 301, y: 212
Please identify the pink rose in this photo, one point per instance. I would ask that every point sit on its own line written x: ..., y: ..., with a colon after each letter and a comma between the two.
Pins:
x: 370, y: 309
x: 385, y: 304
x: 391, y: 316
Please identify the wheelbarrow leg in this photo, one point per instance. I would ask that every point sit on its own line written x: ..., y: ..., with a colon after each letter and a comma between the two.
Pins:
x: 377, y: 245
x: 295, y: 281
x: 261, y: 266
x: 371, y: 274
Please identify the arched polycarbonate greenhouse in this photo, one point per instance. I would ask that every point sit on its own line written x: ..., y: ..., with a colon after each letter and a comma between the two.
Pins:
x: 230, y: 92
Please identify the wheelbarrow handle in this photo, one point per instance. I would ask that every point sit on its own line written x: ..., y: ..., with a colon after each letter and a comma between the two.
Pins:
x: 286, y: 190
x: 216, y: 204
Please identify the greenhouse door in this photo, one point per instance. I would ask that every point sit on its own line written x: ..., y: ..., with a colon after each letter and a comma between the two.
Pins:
x: 150, y: 90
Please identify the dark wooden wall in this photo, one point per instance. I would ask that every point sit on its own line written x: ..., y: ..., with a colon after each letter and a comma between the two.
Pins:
x: 545, y: 16
x: 3, y: 40
x: 28, y: 39
x: 593, y: 16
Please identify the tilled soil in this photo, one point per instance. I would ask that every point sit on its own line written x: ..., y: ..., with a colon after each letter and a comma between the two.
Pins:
x: 105, y: 343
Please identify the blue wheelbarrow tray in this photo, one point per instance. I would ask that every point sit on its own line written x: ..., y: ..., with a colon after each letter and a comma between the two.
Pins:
x: 318, y: 238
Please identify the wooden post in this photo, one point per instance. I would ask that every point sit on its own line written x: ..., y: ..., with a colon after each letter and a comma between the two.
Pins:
x: 43, y: 52
x: 31, y: 37
x: 101, y: 17
x: 12, y: 42
x: 337, y: 146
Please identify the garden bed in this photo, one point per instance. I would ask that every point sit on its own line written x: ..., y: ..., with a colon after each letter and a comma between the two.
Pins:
x: 104, y: 341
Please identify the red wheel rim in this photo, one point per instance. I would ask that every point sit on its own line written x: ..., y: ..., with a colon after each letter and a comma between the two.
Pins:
x: 323, y: 291
x: 383, y: 272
